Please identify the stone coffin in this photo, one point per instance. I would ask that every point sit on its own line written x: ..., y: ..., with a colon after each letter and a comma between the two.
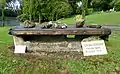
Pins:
x: 55, y: 40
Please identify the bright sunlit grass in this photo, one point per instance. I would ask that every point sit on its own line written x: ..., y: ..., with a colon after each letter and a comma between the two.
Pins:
x: 98, y: 18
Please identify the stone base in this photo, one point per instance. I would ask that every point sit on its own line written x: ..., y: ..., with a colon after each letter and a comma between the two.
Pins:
x: 52, y: 45
x: 66, y: 46
x: 49, y: 43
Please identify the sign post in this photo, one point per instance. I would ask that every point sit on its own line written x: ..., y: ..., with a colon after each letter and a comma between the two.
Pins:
x: 94, y: 48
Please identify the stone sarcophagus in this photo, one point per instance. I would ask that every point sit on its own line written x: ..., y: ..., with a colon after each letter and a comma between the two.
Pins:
x: 39, y: 39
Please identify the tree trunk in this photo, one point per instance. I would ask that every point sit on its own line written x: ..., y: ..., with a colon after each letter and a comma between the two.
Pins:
x: 30, y: 10
x: 3, y: 17
x: 84, y: 8
x: 30, y: 17
x: 39, y: 18
x: 56, y: 17
x: 53, y: 17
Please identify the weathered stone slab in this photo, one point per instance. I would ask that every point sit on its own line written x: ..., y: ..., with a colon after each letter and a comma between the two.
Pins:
x: 55, y: 40
x: 44, y: 45
x: 55, y: 46
x: 18, y: 40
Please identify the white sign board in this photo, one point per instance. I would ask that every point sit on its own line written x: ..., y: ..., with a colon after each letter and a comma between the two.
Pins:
x: 20, y: 49
x: 94, y: 48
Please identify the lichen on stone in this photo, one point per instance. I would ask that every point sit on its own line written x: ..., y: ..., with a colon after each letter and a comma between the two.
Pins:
x: 92, y: 38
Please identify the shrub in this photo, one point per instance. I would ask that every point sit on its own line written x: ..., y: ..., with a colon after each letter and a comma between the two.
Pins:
x: 117, y: 5
x: 23, y: 17
x: 89, y: 11
x: 79, y: 11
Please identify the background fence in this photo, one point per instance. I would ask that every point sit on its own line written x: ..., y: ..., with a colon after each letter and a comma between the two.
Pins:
x: 10, y: 21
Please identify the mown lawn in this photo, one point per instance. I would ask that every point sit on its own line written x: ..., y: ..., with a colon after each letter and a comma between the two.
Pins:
x: 26, y: 64
x: 98, y: 18
x: 11, y: 63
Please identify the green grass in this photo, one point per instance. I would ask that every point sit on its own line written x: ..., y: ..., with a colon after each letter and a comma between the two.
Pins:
x: 8, y: 61
x: 104, y: 18
x: 26, y: 64
x: 105, y: 64
x: 4, y: 37
x: 101, y: 18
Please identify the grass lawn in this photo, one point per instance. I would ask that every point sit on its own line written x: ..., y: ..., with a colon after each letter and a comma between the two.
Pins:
x: 19, y: 64
x: 101, y: 18
x: 25, y: 64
